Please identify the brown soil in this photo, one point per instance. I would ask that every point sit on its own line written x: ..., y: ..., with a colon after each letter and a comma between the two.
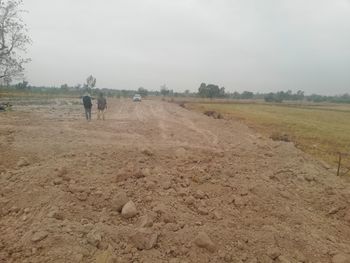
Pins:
x: 205, y: 190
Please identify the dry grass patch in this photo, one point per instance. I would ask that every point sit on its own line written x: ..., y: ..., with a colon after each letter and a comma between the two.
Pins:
x: 320, y: 130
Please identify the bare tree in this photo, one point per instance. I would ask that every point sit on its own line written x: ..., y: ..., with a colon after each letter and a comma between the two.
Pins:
x: 91, y: 82
x: 13, y: 40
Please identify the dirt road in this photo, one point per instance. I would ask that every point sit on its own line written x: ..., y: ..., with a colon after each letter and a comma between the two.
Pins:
x: 205, y: 190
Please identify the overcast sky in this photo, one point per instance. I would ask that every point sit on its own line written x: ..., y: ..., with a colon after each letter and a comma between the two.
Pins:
x: 253, y: 45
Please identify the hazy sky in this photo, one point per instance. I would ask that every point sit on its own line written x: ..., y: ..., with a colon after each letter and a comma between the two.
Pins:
x: 239, y: 44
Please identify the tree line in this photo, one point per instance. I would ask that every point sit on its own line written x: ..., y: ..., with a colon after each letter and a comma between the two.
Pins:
x: 209, y: 91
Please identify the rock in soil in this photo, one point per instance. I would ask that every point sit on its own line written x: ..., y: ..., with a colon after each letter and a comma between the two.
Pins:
x: 40, y: 235
x: 283, y: 259
x: 273, y: 253
x: 202, y: 240
x: 129, y: 210
x: 119, y: 200
x: 55, y: 214
x: 145, y: 221
x: 94, y: 238
x: 23, y: 162
x: 144, y: 238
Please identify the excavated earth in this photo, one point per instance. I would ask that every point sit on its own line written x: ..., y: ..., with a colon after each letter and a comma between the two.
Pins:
x: 155, y: 182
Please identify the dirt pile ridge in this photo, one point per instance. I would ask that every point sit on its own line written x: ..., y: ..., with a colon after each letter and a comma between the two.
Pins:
x: 158, y: 183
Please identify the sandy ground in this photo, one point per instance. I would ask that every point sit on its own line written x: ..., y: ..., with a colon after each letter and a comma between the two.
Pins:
x: 201, y: 190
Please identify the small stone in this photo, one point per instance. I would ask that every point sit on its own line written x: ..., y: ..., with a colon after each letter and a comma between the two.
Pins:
x: 199, y: 194
x: 148, y: 198
x: 144, y: 238
x: 61, y: 172
x: 283, y: 259
x: 94, y: 238
x: 341, y: 258
x: 217, y: 215
x: 244, y: 257
x: 145, y: 221
x: 168, y: 217
x: 147, y: 152
x: 190, y: 200
x: 73, y: 188
x: 203, y: 241
x: 273, y: 253
x: 335, y: 210
x: 129, y: 210
x: 159, y: 208
x: 172, y: 227
x: 82, y: 196
x: 150, y: 185
x: 331, y: 238
x: 78, y: 258
x: 57, y: 181
x: 23, y: 162
x: 167, y: 185
x: 98, y: 193
x: 239, y: 201
x: 309, y: 177
x: 14, y: 209
x: 252, y: 260
x: 139, y: 174
x: 265, y: 259
x: 55, y: 214
x: 119, y: 200
x: 182, y: 192
x: 300, y: 257
x: 203, y: 211
x: 146, y: 172
x: 40, y: 235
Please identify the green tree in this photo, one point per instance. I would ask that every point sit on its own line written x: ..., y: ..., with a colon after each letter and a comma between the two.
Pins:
x: 22, y: 85
x: 164, y: 90
x: 209, y: 91
x: 246, y: 95
x: 142, y: 91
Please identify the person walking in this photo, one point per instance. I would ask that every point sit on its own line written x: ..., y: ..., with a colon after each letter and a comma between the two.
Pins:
x: 101, y: 106
x: 87, y: 106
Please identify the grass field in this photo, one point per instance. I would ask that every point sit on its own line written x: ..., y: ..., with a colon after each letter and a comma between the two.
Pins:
x: 320, y: 130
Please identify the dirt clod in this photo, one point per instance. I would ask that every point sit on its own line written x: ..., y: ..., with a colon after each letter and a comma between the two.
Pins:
x: 94, y: 238
x: 202, y: 240
x: 56, y: 214
x: 273, y: 253
x: 40, y: 235
x: 144, y: 238
x: 145, y: 221
x: 23, y: 162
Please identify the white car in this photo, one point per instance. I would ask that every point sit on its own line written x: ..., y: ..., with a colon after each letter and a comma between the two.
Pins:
x: 137, y: 97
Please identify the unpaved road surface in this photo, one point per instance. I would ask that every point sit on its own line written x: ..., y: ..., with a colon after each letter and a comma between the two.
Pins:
x: 205, y: 190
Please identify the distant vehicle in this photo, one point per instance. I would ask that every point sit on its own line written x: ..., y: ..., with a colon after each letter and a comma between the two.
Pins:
x: 137, y: 97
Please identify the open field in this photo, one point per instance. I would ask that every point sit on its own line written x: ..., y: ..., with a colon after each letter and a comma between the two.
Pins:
x: 320, y: 130
x: 202, y: 189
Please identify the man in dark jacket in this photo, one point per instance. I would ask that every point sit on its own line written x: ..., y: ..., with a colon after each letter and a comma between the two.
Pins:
x: 101, y: 106
x: 87, y: 105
